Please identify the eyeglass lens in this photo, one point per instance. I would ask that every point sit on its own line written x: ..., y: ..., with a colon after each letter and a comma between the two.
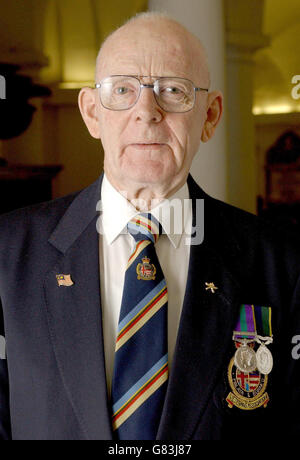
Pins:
x: 171, y: 94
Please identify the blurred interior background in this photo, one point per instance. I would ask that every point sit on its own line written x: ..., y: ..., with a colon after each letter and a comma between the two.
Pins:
x: 47, y: 53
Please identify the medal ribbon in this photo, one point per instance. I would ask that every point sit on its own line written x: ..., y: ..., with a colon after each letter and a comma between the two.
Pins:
x: 263, y: 321
x: 246, y: 325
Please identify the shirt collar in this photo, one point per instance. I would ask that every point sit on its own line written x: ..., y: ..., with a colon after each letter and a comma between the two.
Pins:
x: 173, y: 213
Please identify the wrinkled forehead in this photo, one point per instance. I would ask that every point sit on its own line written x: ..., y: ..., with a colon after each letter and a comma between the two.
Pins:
x: 153, y: 49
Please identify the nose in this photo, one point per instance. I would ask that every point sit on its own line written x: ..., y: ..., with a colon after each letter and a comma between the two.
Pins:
x: 146, y: 109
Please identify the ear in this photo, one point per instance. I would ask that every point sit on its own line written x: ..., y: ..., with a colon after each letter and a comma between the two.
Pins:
x: 214, y: 113
x: 88, y: 107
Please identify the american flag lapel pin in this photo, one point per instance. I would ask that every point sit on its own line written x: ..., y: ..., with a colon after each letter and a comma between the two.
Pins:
x: 64, y: 280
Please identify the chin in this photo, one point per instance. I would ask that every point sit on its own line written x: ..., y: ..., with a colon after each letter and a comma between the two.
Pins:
x: 147, y: 175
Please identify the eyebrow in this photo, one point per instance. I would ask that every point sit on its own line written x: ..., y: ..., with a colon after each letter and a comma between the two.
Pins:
x: 197, y: 88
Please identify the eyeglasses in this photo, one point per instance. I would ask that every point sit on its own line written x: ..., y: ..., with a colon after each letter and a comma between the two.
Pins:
x: 172, y: 94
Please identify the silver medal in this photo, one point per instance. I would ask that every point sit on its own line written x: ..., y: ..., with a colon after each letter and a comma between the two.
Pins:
x: 245, y: 359
x: 264, y: 360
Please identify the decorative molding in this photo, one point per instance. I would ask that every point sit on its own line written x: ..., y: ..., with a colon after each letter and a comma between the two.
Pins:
x: 277, y: 119
x: 249, y: 42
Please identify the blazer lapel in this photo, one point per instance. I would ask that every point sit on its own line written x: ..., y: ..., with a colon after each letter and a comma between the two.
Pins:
x: 205, y: 330
x: 74, y: 314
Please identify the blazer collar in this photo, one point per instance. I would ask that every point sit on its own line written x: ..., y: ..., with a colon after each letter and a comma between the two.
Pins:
x: 84, y: 208
x: 74, y: 314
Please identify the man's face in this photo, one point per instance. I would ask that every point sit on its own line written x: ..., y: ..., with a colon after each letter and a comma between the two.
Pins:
x: 144, y: 145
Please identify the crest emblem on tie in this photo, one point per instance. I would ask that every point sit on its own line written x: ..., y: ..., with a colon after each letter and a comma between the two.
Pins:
x: 145, y: 271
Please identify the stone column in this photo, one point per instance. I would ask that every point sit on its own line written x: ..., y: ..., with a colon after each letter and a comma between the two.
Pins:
x: 244, y: 37
x: 206, y: 20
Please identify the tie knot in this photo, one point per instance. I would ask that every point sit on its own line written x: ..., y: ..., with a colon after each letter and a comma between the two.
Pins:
x: 144, y: 226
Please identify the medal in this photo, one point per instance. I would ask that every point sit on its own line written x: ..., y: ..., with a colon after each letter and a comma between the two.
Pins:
x: 245, y: 332
x: 245, y: 358
x: 264, y: 357
x: 248, y: 370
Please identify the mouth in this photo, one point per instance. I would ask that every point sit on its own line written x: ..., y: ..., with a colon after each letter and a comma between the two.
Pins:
x: 147, y: 145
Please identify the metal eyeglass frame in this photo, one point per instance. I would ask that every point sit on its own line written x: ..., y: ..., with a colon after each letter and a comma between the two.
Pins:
x: 151, y: 86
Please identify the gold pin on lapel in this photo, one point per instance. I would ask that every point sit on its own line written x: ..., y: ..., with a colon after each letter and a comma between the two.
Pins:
x: 210, y: 286
x: 64, y: 280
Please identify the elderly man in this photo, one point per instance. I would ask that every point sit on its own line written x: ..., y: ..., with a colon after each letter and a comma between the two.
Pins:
x: 123, y: 327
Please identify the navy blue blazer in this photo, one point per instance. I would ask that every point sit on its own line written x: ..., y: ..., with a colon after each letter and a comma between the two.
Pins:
x: 52, y: 384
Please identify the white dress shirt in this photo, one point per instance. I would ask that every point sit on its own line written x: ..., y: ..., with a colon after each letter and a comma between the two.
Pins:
x: 116, y: 246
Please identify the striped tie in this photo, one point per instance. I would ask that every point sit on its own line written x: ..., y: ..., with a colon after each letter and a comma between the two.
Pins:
x: 141, y: 358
